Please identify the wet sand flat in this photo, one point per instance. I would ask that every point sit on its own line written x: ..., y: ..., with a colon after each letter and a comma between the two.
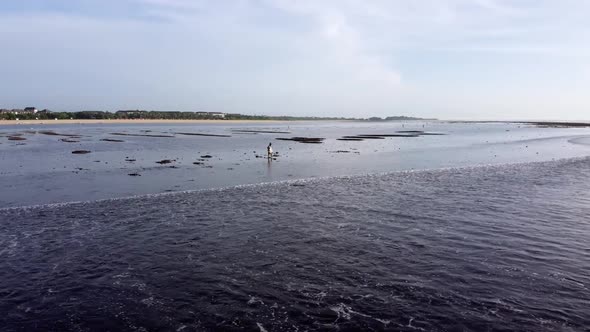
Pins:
x: 212, y: 154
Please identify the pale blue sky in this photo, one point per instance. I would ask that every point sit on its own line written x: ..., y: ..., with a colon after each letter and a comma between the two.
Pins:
x: 451, y: 59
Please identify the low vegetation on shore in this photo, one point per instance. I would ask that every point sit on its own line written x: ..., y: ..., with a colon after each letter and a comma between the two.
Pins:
x: 171, y: 115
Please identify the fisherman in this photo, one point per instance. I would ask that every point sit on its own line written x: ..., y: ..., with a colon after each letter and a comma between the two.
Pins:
x: 269, y: 150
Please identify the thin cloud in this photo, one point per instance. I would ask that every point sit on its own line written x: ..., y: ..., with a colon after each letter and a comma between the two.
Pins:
x: 335, y: 57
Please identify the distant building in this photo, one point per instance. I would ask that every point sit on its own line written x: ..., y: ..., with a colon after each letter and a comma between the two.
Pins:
x: 3, y: 110
x: 30, y: 110
x: 130, y: 112
x: 17, y: 111
x: 210, y: 114
x: 217, y: 115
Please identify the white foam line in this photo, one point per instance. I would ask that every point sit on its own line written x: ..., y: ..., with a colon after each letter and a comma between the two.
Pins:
x: 290, y: 181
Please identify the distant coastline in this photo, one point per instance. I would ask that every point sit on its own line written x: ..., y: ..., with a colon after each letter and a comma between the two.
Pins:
x: 127, y: 121
x: 543, y: 124
x: 31, y: 114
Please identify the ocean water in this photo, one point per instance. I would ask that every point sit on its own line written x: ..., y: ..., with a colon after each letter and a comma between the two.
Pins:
x: 487, y: 248
x: 42, y: 169
x: 485, y: 228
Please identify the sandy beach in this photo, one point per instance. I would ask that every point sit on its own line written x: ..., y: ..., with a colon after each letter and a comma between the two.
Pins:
x: 125, y: 121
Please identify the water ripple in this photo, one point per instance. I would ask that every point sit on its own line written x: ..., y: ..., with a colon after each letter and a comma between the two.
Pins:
x: 476, y: 248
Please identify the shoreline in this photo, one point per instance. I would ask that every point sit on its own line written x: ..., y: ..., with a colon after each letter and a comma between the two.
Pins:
x: 547, y: 124
x: 143, y: 121
x: 282, y: 181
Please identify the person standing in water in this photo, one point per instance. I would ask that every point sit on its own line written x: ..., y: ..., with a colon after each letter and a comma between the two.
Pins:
x: 269, y: 150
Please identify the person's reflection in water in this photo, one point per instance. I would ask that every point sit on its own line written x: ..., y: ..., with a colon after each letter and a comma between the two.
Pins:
x: 269, y: 168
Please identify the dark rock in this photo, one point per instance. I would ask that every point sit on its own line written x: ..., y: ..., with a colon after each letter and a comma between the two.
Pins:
x: 80, y: 152
x: 312, y: 140
x: 350, y: 139
x: 207, y: 156
x: 69, y: 140
x: 53, y: 133
x: 112, y: 140
x: 165, y: 161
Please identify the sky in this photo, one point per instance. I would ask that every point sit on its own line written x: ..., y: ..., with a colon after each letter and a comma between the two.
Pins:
x: 447, y: 59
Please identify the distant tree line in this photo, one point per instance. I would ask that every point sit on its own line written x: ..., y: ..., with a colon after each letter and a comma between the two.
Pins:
x: 151, y: 115
x: 171, y: 115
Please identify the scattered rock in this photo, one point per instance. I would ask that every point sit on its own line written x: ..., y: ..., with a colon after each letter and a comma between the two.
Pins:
x: 16, y: 138
x: 340, y: 151
x: 198, y: 163
x: 207, y: 156
x: 69, y: 140
x: 130, y: 160
x: 53, y: 133
x: 165, y: 161
x: 134, y: 174
x: 80, y: 152
x: 112, y: 140
x: 312, y: 140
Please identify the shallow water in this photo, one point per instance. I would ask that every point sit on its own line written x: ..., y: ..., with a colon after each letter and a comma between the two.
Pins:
x: 44, y: 170
x: 492, y: 248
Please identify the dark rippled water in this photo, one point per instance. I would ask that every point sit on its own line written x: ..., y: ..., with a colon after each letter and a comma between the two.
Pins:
x: 502, y: 248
